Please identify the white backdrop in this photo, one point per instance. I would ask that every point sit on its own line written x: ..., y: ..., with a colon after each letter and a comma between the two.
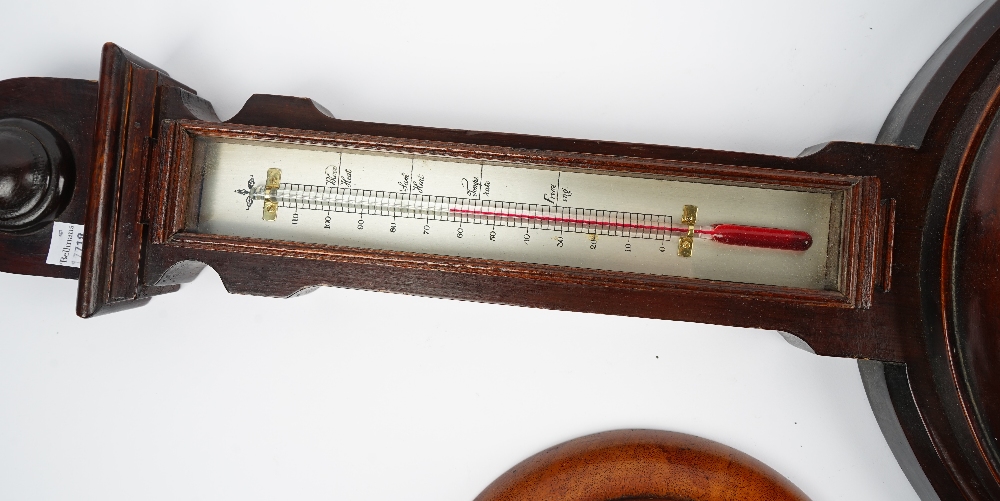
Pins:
x: 345, y: 394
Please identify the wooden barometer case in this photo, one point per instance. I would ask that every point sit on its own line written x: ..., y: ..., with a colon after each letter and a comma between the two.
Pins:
x: 887, y: 252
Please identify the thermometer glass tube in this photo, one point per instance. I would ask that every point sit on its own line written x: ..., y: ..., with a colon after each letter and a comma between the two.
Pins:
x: 517, y: 212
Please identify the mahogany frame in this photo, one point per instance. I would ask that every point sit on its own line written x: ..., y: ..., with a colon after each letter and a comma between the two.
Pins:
x: 132, y: 253
x: 167, y: 214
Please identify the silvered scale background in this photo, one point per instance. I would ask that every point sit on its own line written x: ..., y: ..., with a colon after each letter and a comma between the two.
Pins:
x: 514, y: 212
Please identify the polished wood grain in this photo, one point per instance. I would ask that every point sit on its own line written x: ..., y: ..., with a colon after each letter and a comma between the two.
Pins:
x: 281, y: 268
x: 64, y: 110
x: 170, y: 219
x: 944, y: 409
x: 134, y: 96
x: 36, y: 173
x: 641, y: 464
x: 971, y: 287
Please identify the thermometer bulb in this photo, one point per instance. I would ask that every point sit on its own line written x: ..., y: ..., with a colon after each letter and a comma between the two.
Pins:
x: 756, y: 236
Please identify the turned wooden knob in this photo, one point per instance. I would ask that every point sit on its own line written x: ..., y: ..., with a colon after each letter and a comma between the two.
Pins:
x: 35, y: 170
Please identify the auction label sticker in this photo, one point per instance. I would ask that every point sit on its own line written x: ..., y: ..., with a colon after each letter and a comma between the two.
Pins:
x: 66, y: 246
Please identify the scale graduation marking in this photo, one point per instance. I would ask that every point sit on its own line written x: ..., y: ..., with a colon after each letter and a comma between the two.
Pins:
x: 475, y: 211
x: 522, y: 215
x: 341, y: 197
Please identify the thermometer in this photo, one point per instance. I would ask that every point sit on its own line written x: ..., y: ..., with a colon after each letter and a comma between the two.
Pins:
x: 526, y: 212
x: 520, y: 214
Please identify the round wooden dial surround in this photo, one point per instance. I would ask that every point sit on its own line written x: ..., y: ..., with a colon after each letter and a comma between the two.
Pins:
x: 971, y: 288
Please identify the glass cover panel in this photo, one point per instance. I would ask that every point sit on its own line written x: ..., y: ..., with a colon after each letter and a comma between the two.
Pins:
x: 517, y: 212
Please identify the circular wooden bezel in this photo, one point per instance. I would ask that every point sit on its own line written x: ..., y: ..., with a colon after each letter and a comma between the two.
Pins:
x: 939, y: 409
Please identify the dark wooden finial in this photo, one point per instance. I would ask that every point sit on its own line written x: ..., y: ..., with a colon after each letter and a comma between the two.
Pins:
x: 35, y: 174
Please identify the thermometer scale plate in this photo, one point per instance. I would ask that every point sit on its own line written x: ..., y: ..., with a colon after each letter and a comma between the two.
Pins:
x: 503, y: 211
x: 559, y: 216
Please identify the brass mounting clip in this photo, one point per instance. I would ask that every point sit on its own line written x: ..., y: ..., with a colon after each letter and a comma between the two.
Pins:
x: 270, y: 201
x: 689, y: 216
